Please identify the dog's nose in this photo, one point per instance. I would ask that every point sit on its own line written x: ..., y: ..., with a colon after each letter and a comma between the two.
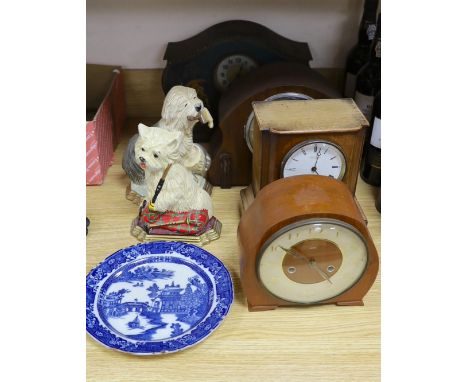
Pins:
x: 198, y: 107
x: 142, y: 160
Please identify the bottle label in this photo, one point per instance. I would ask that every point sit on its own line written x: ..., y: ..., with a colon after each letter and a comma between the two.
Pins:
x: 377, y: 49
x: 365, y: 104
x: 350, y: 85
x: 371, y: 31
x: 375, y: 137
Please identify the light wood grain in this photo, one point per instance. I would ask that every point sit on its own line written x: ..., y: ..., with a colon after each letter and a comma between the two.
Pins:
x: 324, y: 343
x: 143, y: 92
x: 145, y: 96
x: 308, y: 116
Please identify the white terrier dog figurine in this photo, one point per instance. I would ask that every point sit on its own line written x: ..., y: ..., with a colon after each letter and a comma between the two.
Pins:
x: 181, y: 110
x: 159, y: 151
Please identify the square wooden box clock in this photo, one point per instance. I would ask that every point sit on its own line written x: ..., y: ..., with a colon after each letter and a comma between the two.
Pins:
x: 318, y: 137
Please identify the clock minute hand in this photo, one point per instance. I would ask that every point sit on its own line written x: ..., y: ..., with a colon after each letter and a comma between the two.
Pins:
x: 314, y: 265
x: 318, y: 156
x: 314, y: 168
x: 311, y: 263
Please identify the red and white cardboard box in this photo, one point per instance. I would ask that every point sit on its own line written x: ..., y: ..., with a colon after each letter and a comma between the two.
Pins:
x: 103, y: 132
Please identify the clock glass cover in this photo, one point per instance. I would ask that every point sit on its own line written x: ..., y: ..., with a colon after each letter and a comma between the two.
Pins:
x: 232, y: 67
x: 312, y: 260
x: 315, y: 158
x: 248, y: 131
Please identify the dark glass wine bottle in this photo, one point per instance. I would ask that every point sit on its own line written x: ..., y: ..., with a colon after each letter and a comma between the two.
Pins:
x: 370, y: 165
x: 368, y: 79
x: 360, y: 53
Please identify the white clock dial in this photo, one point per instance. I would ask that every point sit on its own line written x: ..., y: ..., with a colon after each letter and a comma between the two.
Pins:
x: 248, y: 130
x: 232, y: 67
x: 312, y: 260
x: 315, y: 158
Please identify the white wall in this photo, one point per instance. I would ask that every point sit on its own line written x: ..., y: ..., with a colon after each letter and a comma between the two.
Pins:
x: 134, y: 33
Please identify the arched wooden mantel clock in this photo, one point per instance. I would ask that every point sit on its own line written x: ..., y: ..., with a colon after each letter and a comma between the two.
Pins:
x: 231, y: 146
x: 316, y: 137
x: 220, y: 55
x: 303, y: 242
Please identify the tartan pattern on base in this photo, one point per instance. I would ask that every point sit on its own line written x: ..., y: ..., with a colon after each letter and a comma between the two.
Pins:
x: 185, y: 222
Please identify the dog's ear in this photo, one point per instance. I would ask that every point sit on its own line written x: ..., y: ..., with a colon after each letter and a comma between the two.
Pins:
x: 144, y: 130
x: 173, y: 103
x: 175, y: 141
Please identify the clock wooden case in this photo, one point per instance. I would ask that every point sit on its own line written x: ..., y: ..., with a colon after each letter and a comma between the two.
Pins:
x: 303, y: 242
x: 231, y: 146
x: 286, y: 133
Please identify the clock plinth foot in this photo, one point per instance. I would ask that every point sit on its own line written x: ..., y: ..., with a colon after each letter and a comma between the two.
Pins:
x: 225, y: 161
x: 361, y: 211
x: 247, y: 197
x: 350, y: 303
x: 259, y: 308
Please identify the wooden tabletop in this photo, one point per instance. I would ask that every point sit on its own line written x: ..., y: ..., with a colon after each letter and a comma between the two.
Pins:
x: 322, y: 343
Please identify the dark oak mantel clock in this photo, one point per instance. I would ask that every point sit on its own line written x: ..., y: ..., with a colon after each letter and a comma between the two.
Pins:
x: 213, y: 59
x: 231, y: 145
x: 322, y: 137
x: 303, y: 242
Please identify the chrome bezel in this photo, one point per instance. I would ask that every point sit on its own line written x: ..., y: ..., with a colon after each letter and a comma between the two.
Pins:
x: 274, y: 97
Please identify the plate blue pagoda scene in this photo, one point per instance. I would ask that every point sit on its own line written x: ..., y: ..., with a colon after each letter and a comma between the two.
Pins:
x: 157, y: 297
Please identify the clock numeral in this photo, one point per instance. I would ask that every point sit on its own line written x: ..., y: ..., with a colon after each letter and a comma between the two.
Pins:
x: 333, y: 157
x: 292, y: 169
x: 295, y: 160
x: 315, y: 148
x: 304, y: 152
x: 331, y: 176
x: 334, y: 166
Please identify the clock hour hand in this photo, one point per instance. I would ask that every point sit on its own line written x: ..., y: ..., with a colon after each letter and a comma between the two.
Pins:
x: 311, y: 263
x: 239, y: 71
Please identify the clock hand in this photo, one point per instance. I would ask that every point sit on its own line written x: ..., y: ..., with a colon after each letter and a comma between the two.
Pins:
x: 314, y: 168
x: 239, y: 71
x: 318, y: 156
x: 311, y: 263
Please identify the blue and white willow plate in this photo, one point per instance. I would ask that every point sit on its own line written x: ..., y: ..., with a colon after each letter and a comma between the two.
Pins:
x: 157, y: 297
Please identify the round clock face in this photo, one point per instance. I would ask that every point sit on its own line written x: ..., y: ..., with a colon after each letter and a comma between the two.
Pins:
x: 248, y: 130
x: 315, y: 158
x: 232, y: 67
x: 312, y: 260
